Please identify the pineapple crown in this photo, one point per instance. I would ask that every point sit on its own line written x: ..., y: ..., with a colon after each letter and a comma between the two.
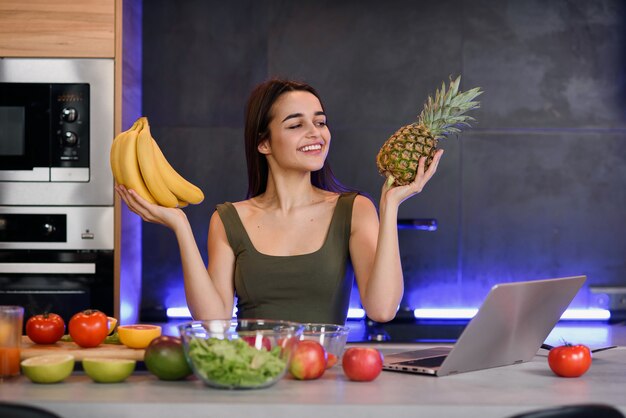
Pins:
x: 444, y: 114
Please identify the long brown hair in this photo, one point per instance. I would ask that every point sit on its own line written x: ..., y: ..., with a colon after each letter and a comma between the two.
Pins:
x: 257, y: 129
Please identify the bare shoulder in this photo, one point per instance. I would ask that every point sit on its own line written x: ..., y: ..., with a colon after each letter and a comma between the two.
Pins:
x: 363, y: 206
x: 364, y: 215
x: 246, y: 207
x: 215, y: 223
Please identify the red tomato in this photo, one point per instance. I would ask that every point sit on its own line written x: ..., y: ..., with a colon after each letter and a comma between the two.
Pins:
x: 362, y: 364
x: 258, y: 342
x: 308, y: 360
x: 89, y: 328
x: 47, y: 328
x: 569, y: 360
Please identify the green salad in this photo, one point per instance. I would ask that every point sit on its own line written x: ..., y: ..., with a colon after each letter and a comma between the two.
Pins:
x: 234, y: 363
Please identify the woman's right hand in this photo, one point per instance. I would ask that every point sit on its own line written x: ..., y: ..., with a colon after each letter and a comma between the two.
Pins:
x: 149, y: 212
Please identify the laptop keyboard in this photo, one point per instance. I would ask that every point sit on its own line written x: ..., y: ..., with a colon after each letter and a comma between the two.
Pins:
x: 424, y: 362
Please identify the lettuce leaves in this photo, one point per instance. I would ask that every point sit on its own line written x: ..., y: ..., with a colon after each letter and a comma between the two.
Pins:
x: 234, y: 363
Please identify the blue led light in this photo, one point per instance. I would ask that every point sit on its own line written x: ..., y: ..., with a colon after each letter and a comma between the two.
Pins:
x: 436, y: 313
x: 181, y: 312
x: 468, y: 313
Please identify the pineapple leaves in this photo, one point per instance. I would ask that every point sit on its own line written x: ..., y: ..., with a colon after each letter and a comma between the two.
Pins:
x: 443, y: 115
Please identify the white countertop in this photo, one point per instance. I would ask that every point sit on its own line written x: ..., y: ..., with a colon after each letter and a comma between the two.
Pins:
x: 498, y: 392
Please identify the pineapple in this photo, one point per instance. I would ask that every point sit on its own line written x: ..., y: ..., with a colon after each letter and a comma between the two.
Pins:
x: 399, y: 156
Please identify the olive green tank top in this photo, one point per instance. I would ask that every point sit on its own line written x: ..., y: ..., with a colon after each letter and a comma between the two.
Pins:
x: 312, y: 287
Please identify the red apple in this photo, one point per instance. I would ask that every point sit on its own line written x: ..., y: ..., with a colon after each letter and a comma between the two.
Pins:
x: 258, y: 341
x: 362, y: 364
x: 332, y: 360
x: 308, y: 360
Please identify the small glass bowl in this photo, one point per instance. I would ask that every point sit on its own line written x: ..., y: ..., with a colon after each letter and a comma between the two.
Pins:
x: 332, y: 337
x: 239, y: 353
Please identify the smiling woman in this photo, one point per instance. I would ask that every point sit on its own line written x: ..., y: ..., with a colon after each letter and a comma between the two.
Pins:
x: 286, y: 251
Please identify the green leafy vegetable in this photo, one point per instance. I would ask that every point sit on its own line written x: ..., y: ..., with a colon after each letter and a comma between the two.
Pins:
x: 110, y: 339
x: 234, y: 363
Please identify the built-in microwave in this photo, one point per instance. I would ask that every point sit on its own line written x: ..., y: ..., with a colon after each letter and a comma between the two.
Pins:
x: 44, y: 133
x: 56, y: 128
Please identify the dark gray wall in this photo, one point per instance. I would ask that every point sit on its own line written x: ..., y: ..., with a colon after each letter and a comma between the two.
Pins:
x: 536, y: 189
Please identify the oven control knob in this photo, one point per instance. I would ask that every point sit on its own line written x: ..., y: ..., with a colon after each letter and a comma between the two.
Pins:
x: 70, y: 138
x: 69, y: 114
x: 49, y: 229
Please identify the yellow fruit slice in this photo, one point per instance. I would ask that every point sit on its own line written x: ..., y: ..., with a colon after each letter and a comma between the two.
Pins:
x: 49, y: 368
x: 112, y: 324
x: 138, y: 335
x: 108, y: 370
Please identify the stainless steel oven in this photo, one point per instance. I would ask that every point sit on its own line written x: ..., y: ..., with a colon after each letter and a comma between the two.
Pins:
x: 56, y: 187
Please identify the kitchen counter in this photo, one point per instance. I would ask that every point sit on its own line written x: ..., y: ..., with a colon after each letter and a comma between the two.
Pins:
x: 498, y: 392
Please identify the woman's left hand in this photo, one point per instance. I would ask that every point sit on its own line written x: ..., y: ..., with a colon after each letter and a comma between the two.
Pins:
x: 399, y: 194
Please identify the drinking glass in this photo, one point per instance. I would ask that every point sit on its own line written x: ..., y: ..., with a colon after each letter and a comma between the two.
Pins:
x: 11, y: 319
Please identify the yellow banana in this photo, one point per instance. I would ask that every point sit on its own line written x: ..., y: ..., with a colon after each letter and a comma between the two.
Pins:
x: 129, y: 167
x: 115, y: 153
x: 150, y: 170
x: 115, y: 158
x: 182, y: 189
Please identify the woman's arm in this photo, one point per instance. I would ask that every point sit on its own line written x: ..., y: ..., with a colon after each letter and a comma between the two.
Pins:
x: 374, y: 247
x: 209, y: 292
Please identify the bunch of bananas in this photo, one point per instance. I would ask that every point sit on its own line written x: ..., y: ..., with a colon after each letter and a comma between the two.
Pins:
x: 138, y: 163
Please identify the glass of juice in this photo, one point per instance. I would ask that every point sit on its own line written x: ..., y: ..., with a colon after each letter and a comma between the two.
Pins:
x: 11, y: 318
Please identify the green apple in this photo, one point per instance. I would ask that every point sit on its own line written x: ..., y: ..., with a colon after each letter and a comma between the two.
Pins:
x: 49, y: 368
x: 108, y: 370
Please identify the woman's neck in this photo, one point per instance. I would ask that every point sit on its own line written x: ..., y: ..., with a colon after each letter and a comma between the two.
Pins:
x: 287, y: 192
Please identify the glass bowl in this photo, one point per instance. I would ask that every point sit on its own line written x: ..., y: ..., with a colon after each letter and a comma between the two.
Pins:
x: 332, y: 337
x: 239, y: 353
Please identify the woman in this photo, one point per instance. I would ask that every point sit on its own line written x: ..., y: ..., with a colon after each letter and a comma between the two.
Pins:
x: 284, y: 251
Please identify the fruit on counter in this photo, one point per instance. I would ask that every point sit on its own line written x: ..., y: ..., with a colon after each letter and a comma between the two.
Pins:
x: 138, y: 335
x: 332, y: 360
x: 112, y: 324
x: 108, y: 370
x: 138, y: 163
x: 49, y: 368
x: 400, y: 154
x: 165, y: 358
x: 258, y: 341
x: 569, y: 360
x: 362, y: 364
x: 46, y: 328
x: 308, y: 360
x: 88, y: 328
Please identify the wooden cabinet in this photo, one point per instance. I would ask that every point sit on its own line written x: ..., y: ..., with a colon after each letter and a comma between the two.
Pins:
x: 85, y: 29
x: 57, y: 28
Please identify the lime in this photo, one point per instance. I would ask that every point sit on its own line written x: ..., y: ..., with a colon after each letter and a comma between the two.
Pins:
x: 139, y: 335
x: 108, y: 370
x: 49, y: 368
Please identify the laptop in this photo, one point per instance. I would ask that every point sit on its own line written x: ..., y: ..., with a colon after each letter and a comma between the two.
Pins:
x: 509, y: 328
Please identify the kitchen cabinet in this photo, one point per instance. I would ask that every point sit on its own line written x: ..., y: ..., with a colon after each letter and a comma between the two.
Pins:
x: 57, y: 28
x: 87, y: 29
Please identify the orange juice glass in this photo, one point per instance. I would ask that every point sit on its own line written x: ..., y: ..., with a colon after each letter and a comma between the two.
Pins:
x: 11, y: 320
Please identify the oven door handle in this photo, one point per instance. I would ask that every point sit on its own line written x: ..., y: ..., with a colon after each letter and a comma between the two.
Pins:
x: 48, y: 268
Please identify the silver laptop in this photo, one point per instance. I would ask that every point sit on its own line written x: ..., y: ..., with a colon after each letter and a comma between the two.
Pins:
x: 509, y: 328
